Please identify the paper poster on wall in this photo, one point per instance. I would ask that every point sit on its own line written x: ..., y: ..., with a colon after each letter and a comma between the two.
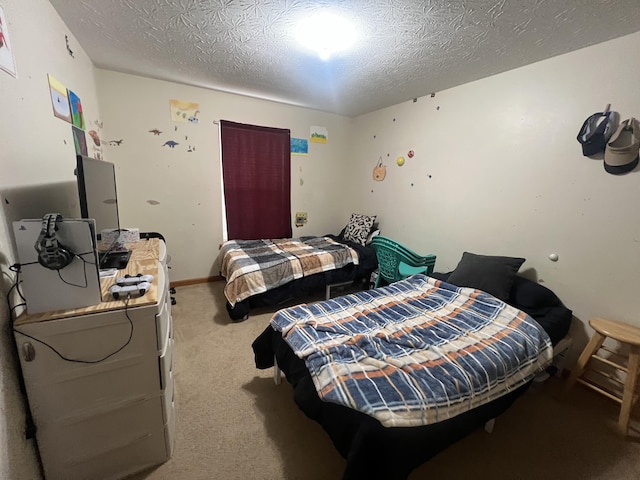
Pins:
x: 301, y: 219
x: 79, y: 141
x: 59, y: 99
x: 184, y: 112
x: 7, y: 62
x: 319, y: 135
x: 299, y: 146
x: 77, y: 117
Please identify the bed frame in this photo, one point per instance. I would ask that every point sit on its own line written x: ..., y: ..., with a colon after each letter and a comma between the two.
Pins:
x: 363, y: 441
x: 351, y: 273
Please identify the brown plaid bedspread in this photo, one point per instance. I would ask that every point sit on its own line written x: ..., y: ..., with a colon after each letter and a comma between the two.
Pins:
x: 255, y: 266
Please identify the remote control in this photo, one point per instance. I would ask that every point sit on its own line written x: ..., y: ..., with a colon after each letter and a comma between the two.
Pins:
x: 133, y: 279
x: 141, y: 288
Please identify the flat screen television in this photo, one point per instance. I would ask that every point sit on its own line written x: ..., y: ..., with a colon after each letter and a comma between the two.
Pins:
x: 99, y: 200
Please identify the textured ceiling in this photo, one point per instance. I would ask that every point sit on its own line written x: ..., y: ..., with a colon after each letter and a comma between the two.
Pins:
x: 405, y: 49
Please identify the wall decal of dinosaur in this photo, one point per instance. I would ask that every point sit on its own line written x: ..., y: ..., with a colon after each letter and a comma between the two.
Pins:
x: 194, y: 118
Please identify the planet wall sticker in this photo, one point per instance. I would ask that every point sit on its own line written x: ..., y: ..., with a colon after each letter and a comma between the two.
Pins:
x: 379, y: 171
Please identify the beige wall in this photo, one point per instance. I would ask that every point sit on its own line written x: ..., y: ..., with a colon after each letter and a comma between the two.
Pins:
x: 37, y: 159
x: 178, y: 192
x: 498, y: 170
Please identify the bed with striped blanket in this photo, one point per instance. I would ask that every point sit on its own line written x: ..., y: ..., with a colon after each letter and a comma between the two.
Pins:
x: 405, y: 370
x: 254, y: 268
x: 416, y: 352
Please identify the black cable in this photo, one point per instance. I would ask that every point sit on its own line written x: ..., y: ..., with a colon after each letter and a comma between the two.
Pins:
x: 17, y: 268
x: 16, y: 285
x: 86, y: 281
x: 67, y: 359
x: 81, y: 256
x: 12, y: 309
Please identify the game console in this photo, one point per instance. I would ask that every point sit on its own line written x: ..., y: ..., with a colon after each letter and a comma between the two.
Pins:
x: 133, y: 279
x: 139, y: 288
x: 75, y: 285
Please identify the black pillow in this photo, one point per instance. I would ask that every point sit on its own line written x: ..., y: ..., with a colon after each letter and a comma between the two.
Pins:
x: 492, y: 274
x: 526, y: 293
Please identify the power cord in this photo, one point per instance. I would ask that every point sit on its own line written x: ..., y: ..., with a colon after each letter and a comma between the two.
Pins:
x: 12, y: 308
x: 79, y: 256
x: 16, y: 269
x: 76, y: 360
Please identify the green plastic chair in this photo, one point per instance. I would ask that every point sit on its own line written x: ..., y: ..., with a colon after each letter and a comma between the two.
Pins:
x: 397, y: 262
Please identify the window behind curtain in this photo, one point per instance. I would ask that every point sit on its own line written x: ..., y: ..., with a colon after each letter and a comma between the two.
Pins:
x: 256, y: 173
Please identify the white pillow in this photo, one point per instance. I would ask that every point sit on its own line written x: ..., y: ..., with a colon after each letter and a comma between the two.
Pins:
x: 358, y: 228
x: 375, y: 233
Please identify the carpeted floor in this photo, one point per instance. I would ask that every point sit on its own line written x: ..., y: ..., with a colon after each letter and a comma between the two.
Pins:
x: 233, y: 422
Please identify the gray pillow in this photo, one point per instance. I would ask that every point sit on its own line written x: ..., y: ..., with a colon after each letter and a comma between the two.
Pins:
x: 492, y: 274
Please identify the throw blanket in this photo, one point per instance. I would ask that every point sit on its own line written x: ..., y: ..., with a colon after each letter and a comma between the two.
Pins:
x: 255, y: 266
x: 416, y: 352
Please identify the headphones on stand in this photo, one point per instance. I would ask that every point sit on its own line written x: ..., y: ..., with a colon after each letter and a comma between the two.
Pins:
x: 51, y: 253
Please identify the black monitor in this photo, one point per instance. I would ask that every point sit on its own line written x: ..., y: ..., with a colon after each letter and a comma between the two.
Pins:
x: 99, y: 200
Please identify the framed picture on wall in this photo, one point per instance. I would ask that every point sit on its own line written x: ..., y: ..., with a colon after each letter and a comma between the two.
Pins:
x: 59, y: 99
x: 299, y: 146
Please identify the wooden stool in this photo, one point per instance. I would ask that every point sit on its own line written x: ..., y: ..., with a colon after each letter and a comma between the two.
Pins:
x: 623, y: 333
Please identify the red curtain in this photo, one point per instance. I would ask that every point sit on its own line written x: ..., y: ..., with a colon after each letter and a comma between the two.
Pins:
x: 256, y: 171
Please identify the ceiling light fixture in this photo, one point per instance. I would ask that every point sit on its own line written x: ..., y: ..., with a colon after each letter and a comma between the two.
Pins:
x: 326, y: 34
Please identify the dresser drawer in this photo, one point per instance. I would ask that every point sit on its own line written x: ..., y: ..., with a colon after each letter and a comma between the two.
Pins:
x: 100, y: 444
x: 64, y: 387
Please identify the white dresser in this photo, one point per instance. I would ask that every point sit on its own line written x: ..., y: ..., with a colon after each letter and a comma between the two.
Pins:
x: 103, y: 418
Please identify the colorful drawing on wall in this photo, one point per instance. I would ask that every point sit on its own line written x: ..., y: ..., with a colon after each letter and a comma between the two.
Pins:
x: 155, y: 131
x: 184, y: 112
x: 299, y: 146
x: 7, y: 62
x: 170, y: 144
x: 59, y: 99
x: 400, y: 161
x: 319, y: 135
x: 379, y: 171
x: 115, y: 143
x: 301, y: 219
x: 96, y: 146
x: 77, y: 117
x: 95, y: 137
x: 194, y: 118
x: 79, y: 141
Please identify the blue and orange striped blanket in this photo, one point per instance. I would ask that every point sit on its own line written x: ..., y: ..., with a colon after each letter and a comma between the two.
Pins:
x: 416, y: 352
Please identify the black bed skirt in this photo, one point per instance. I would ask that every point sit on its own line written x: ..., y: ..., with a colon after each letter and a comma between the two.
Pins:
x: 371, y: 450
x: 298, y: 289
